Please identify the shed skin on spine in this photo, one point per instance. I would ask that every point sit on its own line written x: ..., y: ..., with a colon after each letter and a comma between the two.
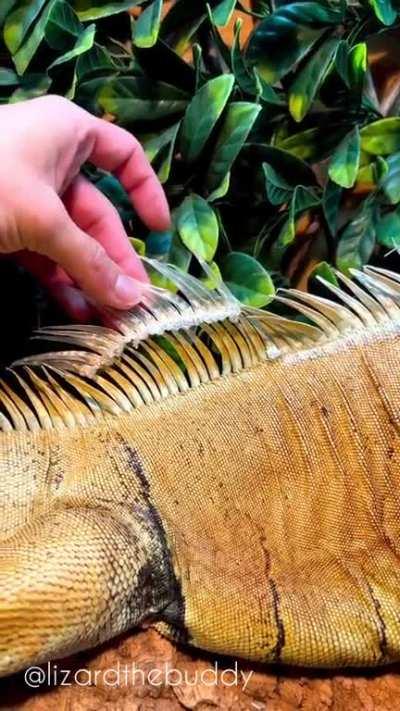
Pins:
x: 278, y: 494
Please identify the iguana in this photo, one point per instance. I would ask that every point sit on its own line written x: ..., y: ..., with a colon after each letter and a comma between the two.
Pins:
x: 227, y: 474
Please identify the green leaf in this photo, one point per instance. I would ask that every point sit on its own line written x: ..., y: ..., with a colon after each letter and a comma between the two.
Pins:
x: 324, y: 271
x: 358, y: 65
x: 277, y: 188
x: 93, y: 63
x: 345, y: 161
x: 87, y: 91
x: 202, y: 114
x: 84, y: 42
x: 32, y: 85
x: 380, y: 169
x: 366, y: 173
x: 342, y: 61
x: 221, y: 190
x: 27, y: 51
x: 309, y: 80
x: 161, y: 63
x: 158, y: 244
x: 138, y: 245
x: 357, y: 240
x: 303, y: 145
x: 351, y: 64
x: 19, y: 21
x: 113, y: 190
x: 370, y: 100
x: 5, y: 8
x: 247, y: 80
x: 182, y: 23
x: 292, y: 169
x: 238, y: 122
x: 161, y: 147
x: 247, y: 279
x: 381, y: 137
x: 373, y: 174
x: 197, y: 62
x: 95, y: 9
x: 222, y: 13
x: 259, y: 8
x: 384, y: 11
x: 266, y: 92
x: 219, y: 48
x: 213, y: 278
x: 331, y: 204
x: 153, y: 143
x: 391, y: 182
x: 147, y: 27
x: 197, y: 226
x: 286, y: 35
x: 63, y: 27
x: 171, y: 350
x: 187, y: 34
x: 388, y: 230
x: 246, y: 77
x: 8, y: 77
x: 139, y: 99
x: 313, y: 144
x: 302, y: 199
x: 180, y: 15
x: 167, y: 247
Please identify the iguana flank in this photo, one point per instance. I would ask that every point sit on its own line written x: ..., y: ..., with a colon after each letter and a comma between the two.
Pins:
x: 230, y: 475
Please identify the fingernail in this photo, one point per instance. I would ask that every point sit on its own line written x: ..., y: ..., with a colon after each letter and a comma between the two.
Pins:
x: 127, y: 291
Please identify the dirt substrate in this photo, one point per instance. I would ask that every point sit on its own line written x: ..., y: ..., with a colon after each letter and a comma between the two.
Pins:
x: 144, y: 672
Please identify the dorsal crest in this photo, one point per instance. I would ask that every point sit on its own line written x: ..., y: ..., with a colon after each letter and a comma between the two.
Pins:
x: 171, y: 343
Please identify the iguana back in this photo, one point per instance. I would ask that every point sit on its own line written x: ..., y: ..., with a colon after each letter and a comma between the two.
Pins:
x: 256, y: 514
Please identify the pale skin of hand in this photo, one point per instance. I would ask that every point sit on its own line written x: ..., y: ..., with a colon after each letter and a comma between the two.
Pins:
x: 55, y: 222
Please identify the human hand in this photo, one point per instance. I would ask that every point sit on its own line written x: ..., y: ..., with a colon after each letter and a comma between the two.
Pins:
x: 56, y: 222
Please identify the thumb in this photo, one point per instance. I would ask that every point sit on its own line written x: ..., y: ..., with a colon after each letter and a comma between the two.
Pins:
x: 87, y: 263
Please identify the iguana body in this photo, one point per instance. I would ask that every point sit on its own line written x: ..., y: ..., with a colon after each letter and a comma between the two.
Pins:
x: 257, y: 514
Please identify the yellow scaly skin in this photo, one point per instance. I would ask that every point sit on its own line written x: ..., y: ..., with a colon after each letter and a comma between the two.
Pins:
x: 257, y: 515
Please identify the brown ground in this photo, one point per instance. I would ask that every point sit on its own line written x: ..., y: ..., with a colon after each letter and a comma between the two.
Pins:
x: 285, y: 690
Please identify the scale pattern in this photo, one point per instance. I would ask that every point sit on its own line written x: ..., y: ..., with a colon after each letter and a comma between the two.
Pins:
x: 226, y: 474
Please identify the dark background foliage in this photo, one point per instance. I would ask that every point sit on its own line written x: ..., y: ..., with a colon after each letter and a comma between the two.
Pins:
x: 273, y: 126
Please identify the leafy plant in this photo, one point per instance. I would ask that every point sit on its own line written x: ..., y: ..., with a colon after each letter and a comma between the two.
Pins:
x: 280, y: 154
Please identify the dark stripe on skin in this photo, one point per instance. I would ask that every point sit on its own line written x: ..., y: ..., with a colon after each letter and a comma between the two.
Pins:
x: 174, y: 613
x: 280, y: 640
x: 381, y: 626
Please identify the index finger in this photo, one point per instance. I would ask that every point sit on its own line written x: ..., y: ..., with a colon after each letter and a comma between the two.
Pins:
x: 117, y: 151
